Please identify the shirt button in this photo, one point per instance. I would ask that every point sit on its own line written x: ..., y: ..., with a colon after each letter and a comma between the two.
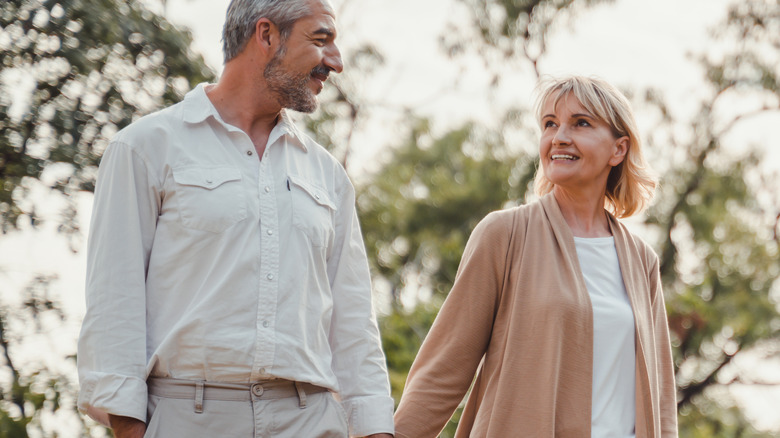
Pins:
x: 317, y: 197
x: 249, y: 153
x: 267, y: 189
x: 270, y: 232
x: 208, y: 181
x: 265, y: 323
x: 257, y: 390
x: 262, y: 370
x: 270, y: 276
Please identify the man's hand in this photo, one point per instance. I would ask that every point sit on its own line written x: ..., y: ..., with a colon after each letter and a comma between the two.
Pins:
x: 126, y: 427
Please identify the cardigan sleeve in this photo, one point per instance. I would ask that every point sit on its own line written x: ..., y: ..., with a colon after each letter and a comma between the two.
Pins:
x: 448, y: 358
x: 667, y: 390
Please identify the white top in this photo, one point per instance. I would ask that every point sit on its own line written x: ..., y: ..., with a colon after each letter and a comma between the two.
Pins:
x: 614, y: 381
x: 207, y: 263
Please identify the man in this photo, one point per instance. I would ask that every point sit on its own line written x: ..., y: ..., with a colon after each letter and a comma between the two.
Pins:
x: 227, y: 289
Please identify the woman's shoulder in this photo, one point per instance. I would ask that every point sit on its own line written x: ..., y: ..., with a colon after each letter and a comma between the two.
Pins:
x: 501, y: 227
x: 508, y: 218
x: 635, y: 243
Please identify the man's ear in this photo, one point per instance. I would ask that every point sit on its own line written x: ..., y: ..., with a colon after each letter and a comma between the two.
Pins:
x: 621, y: 149
x: 266, y: 36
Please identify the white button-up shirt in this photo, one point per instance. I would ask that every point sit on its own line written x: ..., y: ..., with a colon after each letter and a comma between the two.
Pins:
x: 206, y: 262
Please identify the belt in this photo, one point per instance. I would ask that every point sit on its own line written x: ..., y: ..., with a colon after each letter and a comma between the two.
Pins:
x: 203, y: 390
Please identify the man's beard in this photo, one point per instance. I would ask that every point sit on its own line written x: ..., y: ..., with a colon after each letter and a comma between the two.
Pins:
x: 291, y: 90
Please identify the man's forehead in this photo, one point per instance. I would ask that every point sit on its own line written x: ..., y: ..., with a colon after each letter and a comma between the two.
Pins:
x: 322, y: 18
x: 322, y: 7
x: 329, y: 8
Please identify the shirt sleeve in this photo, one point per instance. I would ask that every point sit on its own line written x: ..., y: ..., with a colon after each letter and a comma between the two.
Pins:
x: 358, y: 361
x: 112, y: 345
x: 448, y: 358
x: 667, y: 390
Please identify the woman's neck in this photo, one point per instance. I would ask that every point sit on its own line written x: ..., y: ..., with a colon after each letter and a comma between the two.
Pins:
x: 585, y: 215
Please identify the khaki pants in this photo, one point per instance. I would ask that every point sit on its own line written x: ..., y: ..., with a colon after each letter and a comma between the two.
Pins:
x: 283, y: 409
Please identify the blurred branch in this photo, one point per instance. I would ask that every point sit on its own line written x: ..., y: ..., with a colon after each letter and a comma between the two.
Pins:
x: 691, y: 391
x: 669, y: 252
x: 744, y: 116
x: 17, y: 393
x: 752, y: 382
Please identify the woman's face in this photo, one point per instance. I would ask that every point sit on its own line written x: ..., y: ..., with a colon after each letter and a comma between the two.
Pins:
x: 576, y: 149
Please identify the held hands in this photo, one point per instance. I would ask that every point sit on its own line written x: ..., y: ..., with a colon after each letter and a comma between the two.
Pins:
x: 126, y: 427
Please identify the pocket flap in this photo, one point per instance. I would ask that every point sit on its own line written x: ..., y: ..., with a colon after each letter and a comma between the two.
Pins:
x: 206, y: 177
x: 318, y: 195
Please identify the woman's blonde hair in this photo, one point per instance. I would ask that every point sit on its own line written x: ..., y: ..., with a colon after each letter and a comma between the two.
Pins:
x: 631, y: 184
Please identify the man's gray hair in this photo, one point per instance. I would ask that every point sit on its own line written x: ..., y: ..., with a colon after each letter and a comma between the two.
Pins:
x: 242, y: 16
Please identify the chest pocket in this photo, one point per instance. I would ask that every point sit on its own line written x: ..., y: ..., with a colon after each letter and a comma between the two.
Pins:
x: 312, y: 210
x: 210, y: 198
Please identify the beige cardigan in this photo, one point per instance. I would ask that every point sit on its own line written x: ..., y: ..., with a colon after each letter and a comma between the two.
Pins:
x: 519, y: 310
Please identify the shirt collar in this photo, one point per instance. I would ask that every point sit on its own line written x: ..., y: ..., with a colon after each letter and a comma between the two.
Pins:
x: 197, y: 108
x: 286, y: 127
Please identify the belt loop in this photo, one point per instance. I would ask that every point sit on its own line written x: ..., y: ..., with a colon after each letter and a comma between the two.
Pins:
x: 301, y: 395
x: 199, y: 387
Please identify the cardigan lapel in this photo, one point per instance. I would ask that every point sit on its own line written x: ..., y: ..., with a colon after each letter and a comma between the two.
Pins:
x: 564, y: 237
x: 633, y: 274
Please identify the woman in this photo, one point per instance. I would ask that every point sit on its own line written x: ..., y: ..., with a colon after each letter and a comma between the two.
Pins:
x: 556, y: 307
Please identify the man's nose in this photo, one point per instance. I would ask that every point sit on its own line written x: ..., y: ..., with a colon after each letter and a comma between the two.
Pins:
x: 333, y: 59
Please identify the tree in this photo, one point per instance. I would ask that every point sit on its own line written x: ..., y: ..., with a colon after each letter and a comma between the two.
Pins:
x: 73, y: 73
x: 418, y: 211
x: 719, y: 255
x: 417, y: 214
x: 711, y: 225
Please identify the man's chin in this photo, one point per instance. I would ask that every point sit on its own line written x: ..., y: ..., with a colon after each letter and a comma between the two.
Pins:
x: 307, y: 108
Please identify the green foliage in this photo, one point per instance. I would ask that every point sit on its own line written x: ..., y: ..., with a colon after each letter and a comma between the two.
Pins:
x: 512, y: 29
x: 705, y: 418
x: 420, y: 209
x: 719, y: 259
x: 30, y: 393
x: 403, y: 332
x: 341, y: 112
x: 507, y: 23
x: 73, y: 73
x: 416, y: 216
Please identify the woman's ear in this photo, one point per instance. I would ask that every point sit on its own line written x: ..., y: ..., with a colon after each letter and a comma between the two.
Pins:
x: 621, y: 149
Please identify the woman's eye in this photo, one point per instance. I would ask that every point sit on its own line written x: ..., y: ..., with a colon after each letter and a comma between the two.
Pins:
x: 549, y: 124
x: 582, y: 122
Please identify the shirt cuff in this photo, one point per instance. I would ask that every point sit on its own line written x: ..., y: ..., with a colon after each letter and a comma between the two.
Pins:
x: 369, y: 415
x: 102, y: 394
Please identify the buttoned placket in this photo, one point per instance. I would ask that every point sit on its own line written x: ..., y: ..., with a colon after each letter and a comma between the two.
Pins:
x: 269, y: 268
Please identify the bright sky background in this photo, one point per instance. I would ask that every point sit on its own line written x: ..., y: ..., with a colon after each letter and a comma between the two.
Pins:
x: 634, y: 44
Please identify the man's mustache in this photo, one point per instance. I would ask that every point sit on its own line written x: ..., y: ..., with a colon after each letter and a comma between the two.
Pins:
x: 321, y: 70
